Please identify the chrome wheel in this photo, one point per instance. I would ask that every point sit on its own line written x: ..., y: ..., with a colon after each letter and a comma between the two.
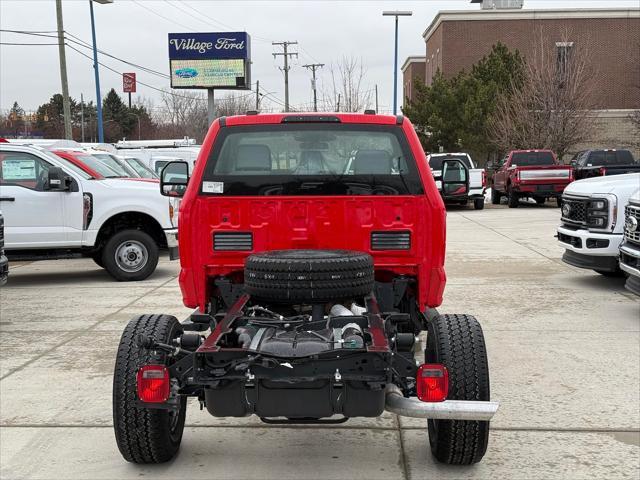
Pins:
x: 131, y: 256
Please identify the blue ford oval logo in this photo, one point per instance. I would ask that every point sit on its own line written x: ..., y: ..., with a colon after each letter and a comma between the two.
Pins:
x: 187, y: 72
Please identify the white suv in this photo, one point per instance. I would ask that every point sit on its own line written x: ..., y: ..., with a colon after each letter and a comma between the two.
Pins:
x: 53, y: 209
x: 593, y: 221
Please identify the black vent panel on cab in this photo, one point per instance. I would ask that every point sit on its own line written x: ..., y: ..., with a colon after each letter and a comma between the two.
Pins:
x: 232, y: 241
x: 390, y: 240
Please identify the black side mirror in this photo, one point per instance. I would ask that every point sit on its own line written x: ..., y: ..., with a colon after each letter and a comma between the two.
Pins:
x: 57, y: 180
x: 455, y: 178
x: 174, y: 179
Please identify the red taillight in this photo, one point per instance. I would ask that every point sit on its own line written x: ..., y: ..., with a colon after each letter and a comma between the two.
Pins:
x: 153, y: 383
x: 432, y: 382
x: 603, y: 171
x: 484, y: 178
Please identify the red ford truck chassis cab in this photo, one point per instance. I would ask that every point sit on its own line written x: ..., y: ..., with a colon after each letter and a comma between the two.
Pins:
x: 312, y: 249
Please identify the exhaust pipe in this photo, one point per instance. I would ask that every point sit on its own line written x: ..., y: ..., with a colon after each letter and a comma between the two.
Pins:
x: 396, y: 402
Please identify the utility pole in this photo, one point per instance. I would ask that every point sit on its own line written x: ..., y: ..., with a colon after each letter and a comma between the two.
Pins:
x: 257, y: 95
x: 211, y: 106
x: 377, y: 98
x: 313, y: 67
x: 66, y: 104
x: 286, y: 54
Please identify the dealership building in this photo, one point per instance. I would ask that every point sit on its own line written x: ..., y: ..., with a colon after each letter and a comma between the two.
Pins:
x: 455, y: 40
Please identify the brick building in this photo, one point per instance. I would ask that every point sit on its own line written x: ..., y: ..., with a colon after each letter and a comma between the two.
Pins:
x: 455, y: 40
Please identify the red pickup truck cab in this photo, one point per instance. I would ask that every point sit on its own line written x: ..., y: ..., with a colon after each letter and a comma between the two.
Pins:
x: 312, y: 247
x: 530, y: 173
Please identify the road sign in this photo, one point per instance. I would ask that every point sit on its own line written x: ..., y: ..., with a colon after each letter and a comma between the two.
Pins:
x: 129, y: 82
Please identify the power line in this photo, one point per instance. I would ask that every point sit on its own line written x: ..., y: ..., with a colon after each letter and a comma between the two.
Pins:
x: 161, y: 16
x: 27, y: 44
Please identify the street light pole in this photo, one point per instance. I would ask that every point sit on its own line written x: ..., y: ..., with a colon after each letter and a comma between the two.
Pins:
x: 96, y: 70
x: 396, y: 13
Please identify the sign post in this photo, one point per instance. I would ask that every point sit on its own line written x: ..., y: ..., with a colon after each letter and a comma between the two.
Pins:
x: 216, y: 60
x: 129, y: 84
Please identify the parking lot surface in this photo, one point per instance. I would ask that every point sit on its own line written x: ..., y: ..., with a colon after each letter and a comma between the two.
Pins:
x: 564, y: 354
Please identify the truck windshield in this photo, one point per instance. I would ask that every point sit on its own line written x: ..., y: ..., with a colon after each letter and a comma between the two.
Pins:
x: 526, y: 159
x: 435, y: 161
x: 95, y: 164
x: 115, y: 165
x: 311, y: 159
x: 610, y: 157
x: 140, y: 168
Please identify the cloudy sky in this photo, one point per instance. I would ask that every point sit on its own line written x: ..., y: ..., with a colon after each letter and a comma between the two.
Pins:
x: 136, y: 31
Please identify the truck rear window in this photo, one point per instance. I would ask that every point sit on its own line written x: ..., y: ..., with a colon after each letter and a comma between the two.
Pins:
x: 311, y: 159
x: 525, y: 159
x: 610, y: 157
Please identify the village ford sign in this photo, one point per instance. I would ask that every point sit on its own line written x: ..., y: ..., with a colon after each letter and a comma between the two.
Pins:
x: 210, y: 60
x: 201, y: 46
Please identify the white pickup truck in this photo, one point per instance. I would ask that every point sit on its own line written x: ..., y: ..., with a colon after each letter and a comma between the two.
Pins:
x: 53, y: 209
x: 593, y: 221
x: 630, y: 248
x: 477, y: 178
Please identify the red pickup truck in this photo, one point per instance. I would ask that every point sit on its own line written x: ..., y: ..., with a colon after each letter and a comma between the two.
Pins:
x: 530, y: 173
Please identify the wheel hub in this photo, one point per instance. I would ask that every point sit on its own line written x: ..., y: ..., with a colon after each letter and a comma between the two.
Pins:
x: 131, y: 256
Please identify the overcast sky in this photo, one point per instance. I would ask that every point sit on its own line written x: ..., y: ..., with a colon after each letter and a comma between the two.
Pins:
x: 136, y: 30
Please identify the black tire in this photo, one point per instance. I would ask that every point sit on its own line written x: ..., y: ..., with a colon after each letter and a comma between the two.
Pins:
x: 558, y: 202
x: 540, y: 200
x: 144, y: 435
x: 457, y: 342
x: 97, y: 258
x: 308, y: 276
x: 495, y: 196
x: 615, y: 274
x: 125, y: 243
x: 478, y: 203
x: 513, y: 198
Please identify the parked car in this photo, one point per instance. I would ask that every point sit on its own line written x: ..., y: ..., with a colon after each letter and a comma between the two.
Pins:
x: 529, y: 173
x: 4, y: 261
x: 592, y: 221
x: 597, y: 163
x: 473, y: 181
x: 310, y: 289
x: 87, y: 163
x: 54, y: 209
x: 630, y: 248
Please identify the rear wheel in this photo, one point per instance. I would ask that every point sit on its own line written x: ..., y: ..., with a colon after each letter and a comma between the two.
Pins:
x: 495, y: 196
x: 478, y: 203
x: 144, y: 435
x: 457, y: 342
x: 540, y: 200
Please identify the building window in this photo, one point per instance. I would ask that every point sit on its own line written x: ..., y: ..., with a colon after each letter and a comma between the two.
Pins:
x: 563, y: 55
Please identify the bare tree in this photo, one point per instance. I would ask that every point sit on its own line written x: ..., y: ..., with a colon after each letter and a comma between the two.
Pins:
x: 553, y: 108
x: 347, y: 92
x: 235, y: 104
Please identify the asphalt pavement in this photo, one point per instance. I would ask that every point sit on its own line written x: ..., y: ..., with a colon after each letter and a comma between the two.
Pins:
x: 564, y: 356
